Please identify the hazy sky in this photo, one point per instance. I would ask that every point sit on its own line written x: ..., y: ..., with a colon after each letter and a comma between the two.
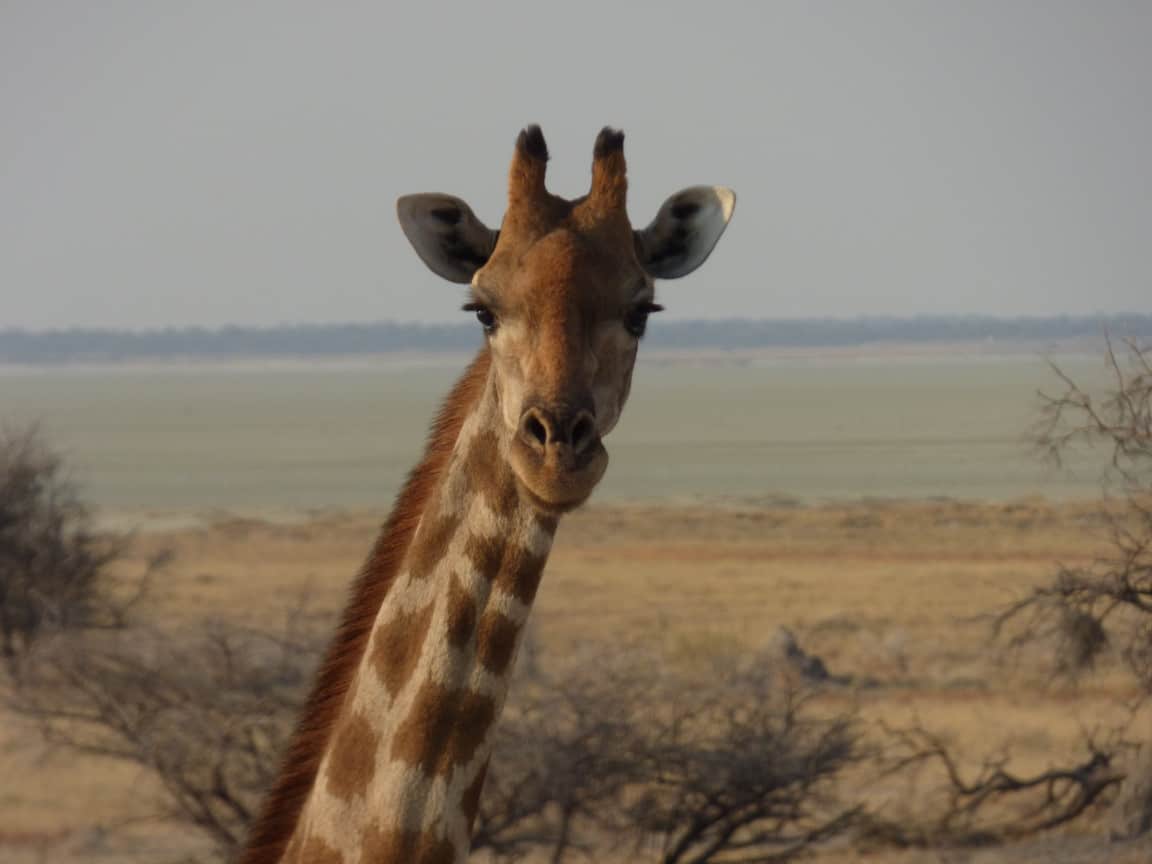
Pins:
x: 211, y: 162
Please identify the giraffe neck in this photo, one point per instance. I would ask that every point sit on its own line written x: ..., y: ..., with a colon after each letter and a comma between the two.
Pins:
x: 401, y: 774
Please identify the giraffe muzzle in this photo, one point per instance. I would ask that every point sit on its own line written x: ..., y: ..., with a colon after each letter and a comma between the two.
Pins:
x: 558, y: 456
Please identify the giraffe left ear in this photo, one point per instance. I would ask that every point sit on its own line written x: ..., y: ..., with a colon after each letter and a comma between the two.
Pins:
x: 685, y: 231
x: 446, y: 234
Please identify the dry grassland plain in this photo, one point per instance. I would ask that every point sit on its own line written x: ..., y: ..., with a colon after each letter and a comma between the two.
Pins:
x: 897, y: 594
x: 897, y: 590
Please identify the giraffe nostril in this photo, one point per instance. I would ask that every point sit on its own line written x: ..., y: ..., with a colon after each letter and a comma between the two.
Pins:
x: 583, y: 432
x: 535, y: 429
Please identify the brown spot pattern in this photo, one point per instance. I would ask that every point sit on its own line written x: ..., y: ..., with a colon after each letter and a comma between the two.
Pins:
x: 461, y: 614
x: 430, y: 545
x: 444, y: 728
x: 397, y: 647
x: 386, y: 846
x: 489, y: 473
x: 486, y: 554
x: 496, y: 641
x: 280, y: 814
x: 511, y: 567
x: 520, y: 573
x: 316, y: 851
x: 353, y: 758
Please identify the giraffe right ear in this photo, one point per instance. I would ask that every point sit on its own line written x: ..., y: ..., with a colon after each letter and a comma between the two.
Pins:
x: 446, y: 234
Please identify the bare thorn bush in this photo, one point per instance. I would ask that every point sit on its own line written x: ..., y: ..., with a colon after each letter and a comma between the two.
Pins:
x: 991, y: 803
x: 205, y: 713
x: 55, y: 567
x: 1087, y: 608
x: 620, y: 750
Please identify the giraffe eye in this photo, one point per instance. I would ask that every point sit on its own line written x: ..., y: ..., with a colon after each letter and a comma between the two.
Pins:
x: 484, y: 315
x: 636, y: 318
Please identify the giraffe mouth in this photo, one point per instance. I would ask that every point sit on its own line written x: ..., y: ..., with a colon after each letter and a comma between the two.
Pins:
x: 558, y: 480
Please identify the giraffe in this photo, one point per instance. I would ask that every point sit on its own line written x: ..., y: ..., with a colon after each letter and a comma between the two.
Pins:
x: 388, y: 761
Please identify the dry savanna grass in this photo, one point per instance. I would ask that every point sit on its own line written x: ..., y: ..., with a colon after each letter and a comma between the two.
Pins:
x: 894, y: 596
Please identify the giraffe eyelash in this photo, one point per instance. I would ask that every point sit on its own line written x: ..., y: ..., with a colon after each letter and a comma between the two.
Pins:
x: 636, y: 318
x: 484, y: 315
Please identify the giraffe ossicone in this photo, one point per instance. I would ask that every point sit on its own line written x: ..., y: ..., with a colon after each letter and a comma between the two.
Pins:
x: 388, y: 761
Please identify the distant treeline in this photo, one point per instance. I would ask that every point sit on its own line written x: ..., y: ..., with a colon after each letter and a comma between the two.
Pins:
x: 330, y: 340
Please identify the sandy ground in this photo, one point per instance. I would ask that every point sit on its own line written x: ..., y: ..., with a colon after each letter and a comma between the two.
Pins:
x: 898, y: 594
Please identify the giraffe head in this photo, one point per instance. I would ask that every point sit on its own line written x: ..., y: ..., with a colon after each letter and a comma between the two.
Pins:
x: 563, y: 291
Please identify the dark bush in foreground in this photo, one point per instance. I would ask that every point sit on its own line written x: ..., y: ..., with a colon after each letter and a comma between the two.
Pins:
x: 54, y: 566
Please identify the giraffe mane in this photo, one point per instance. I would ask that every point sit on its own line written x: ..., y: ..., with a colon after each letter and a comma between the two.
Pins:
x: 281, y: 810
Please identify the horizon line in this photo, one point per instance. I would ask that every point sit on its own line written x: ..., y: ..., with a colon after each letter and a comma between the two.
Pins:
x: 1084, y: 317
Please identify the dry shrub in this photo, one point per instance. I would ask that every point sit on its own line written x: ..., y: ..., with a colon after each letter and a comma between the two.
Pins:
x: 610, y: 752
x: 55, y: 567
x: 617, y: 749
x: 1086, y: 609
x: 1088, y: 606
x: 990, y: 803
x: 206, y: 712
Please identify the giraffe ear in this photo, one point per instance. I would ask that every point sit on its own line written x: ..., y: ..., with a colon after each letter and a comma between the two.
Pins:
x: 446, y: 234
x: 685, y: 231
